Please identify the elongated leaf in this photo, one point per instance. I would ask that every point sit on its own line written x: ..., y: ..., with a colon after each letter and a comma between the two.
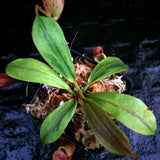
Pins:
x: 54, y: 125
x: 32, y: 70
x: 50, y: 42
x: 105, y: 131
x: 129, y: 110
x: 105, y: 68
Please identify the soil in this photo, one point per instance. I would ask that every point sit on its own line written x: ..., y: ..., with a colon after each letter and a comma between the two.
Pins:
x: 126, y: 30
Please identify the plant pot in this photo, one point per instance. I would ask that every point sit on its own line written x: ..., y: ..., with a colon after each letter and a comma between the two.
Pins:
x: 48, y: 98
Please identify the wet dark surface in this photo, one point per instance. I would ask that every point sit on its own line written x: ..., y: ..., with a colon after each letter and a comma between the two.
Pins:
x: 128, y: 30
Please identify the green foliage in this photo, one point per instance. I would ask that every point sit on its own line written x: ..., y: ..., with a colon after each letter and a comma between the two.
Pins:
x: 105, y: 68
x: 50, y: 42
x: 54, y: 125
x: 132, y: 112
x: 129, y: 110
x: 32, y: 70
x: 104, y: 129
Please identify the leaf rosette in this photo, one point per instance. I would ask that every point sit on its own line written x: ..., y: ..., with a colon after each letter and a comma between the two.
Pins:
x: 49, y: 39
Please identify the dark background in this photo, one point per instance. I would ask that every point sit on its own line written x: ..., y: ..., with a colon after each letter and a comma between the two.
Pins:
x: 127, y: 29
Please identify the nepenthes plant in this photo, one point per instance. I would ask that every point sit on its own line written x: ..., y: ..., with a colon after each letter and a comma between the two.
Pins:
x: 98, y: 107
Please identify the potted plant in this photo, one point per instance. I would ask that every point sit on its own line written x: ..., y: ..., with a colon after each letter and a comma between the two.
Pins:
x: 49, y: 98
x: 80, y: 92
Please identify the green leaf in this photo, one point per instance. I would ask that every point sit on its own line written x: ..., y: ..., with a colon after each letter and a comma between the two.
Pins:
x: 129, y: 110
x: 54, y: 125
x: 32, y: 70
x: 50, y: 42
x: 105, y: 68
x: 105, y: 131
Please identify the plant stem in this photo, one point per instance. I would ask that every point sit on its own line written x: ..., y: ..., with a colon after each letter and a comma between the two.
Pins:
x: 78, y: 90
x: 85, y: 88
x: 37, y: 8
x: 76, y: 86
x: 71, y: 91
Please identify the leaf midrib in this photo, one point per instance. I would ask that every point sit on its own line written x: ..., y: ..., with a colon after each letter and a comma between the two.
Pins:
x: 56, y: 122
x: 59, y: 59
x: 34, y: 71
x: 110, y: 134
x: 131, y: 112
x: 102, y: 70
